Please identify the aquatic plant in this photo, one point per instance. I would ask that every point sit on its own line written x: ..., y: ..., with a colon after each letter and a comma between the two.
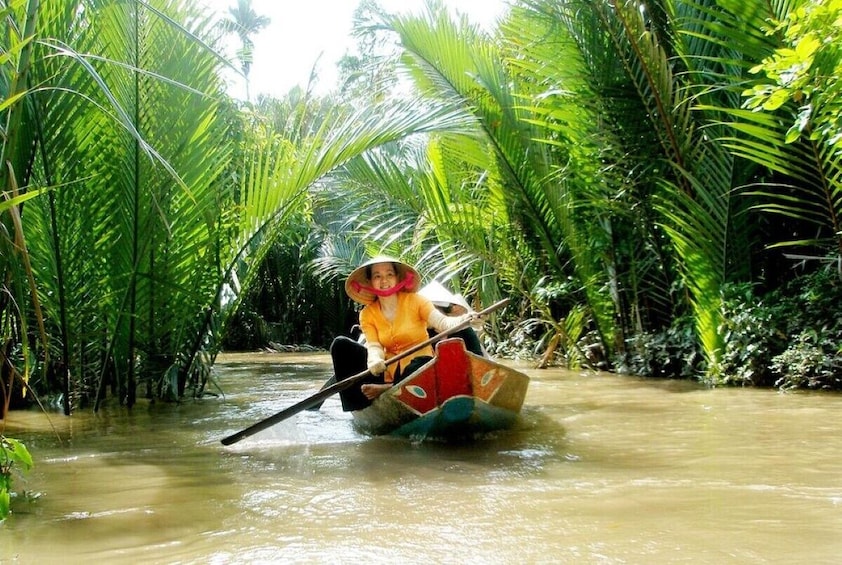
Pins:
x: 13, y: 456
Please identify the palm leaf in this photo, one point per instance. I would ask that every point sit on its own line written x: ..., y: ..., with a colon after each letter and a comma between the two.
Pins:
x: 450, y: 59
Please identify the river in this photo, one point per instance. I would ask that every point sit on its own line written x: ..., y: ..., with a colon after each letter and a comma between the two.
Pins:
x: 600, y: 469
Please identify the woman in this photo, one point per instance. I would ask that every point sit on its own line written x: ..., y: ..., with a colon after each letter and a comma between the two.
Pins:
x: 394, y: 319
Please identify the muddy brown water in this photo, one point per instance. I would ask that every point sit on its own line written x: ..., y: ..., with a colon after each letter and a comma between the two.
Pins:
x: 600, y: 469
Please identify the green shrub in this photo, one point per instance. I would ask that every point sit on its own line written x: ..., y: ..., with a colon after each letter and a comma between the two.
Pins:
x: 789, y: 338
x: 813, y: 324
x: 13, y: 455
x: 753, y: 335
x: 673, y: 353
x: 813, y: 360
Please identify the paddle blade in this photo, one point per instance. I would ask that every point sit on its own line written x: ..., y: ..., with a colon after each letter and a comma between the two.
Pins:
x: 291, y: 411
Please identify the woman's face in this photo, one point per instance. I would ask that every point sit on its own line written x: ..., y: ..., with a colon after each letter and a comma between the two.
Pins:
x: 383, y: 276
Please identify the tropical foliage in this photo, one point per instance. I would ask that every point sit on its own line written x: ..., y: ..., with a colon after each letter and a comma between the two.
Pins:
x: 149, y: 231
x: 625, y: 169
x: 620, y: 169
x: 123, y: 246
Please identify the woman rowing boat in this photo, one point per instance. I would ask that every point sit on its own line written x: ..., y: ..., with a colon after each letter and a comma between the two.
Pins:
x: 394, y: 318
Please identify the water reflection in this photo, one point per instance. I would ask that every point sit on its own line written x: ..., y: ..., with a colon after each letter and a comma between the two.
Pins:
x: 599, y: 469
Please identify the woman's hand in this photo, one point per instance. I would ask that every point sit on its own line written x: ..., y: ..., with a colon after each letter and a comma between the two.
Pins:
x: 376, y: 358
x: 442, y: 323
x: 376, y: 366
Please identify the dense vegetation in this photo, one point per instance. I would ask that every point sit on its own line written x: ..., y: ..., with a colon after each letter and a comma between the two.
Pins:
x: 656, y: 183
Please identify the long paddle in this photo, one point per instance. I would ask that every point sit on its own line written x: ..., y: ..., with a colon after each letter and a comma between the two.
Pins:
x: 347, y: 382
x: 315, y: 407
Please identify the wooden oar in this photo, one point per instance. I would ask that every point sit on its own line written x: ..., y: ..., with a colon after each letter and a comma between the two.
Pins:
x: 347, y: 382
x: 315, y: 407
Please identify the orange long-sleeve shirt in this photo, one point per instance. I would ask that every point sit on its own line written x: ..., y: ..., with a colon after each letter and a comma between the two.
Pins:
x: 408, y: 329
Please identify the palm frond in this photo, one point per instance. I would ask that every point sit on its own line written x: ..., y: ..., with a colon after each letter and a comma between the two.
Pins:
x: 450, y: 59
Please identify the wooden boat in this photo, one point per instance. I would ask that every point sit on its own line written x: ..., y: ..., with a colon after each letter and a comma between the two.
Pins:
x: 456, y: 394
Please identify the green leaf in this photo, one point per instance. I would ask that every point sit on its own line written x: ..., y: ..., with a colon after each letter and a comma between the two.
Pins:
x: 806, y: 48
x: 16, y: 452
x: 776, y: 99
x: 793, y: 133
